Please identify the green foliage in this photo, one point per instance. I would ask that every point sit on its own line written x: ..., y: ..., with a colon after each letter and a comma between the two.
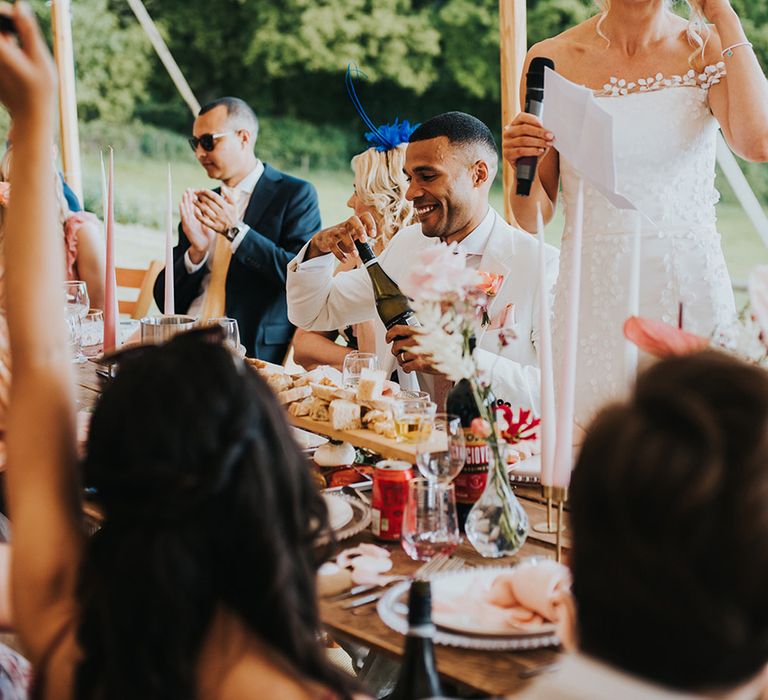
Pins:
x: 111, y: 60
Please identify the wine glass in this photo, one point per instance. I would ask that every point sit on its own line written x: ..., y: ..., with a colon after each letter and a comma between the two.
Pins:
x: 442, y: 456
x: 92, y: 333
x: 414, y: 419
x: 430, y: 525
x: 76, y: 295
x: 231, y: 331
x: 354, y: 363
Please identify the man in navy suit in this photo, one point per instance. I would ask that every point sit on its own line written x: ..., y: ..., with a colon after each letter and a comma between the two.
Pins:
x: 265, y: 216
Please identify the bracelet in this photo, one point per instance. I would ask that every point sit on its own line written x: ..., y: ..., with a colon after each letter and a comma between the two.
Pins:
x: 729, y: 51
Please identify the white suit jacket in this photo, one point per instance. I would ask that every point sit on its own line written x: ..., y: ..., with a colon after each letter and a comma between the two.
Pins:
x: 318, y: 300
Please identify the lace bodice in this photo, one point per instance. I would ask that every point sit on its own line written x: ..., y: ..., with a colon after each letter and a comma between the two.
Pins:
x: 665, y: 139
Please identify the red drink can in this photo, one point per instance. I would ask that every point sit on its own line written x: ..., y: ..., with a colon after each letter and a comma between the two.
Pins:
x: 390, y: 494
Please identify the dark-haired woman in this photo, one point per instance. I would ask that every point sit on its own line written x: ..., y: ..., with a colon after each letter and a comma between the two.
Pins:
x: 200, y: 584
x: 670, y: 540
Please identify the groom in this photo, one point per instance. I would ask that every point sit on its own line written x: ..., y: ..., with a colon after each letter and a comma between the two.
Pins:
x: 451, y: 162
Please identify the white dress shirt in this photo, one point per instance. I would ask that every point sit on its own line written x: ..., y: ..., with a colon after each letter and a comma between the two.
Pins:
x: 318, y: 300
x: 241, y: 194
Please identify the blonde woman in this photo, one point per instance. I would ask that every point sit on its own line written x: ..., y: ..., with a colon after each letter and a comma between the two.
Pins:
x: 669, y: 84
x: 81, y: 233
x: 379, y: 189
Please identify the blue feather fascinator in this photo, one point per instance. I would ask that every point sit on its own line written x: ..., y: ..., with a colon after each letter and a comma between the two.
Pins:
x: 386, y: 136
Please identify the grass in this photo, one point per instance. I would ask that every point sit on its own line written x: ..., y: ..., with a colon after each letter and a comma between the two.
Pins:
x: 141, y: 187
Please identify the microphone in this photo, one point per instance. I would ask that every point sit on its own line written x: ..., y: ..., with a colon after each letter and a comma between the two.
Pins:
x: 534, y: 104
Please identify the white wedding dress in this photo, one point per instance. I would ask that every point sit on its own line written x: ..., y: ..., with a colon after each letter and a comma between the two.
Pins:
x: 665, y: 160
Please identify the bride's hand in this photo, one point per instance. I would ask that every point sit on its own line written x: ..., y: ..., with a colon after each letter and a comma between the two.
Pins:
x: 525, y: 136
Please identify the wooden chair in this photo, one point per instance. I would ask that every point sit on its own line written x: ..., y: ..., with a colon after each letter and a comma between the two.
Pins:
x: 144, y: 281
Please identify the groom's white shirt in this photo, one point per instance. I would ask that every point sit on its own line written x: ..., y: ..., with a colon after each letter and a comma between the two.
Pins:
x: 318, y: 300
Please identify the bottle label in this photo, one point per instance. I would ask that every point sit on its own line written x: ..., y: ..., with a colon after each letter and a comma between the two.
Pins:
x: 471, y: 481
x: 370, y: 262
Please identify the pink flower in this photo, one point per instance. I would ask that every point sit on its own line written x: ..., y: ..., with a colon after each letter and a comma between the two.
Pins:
x: 440, y: 270
x: 490, y: 282
x: 661, y: 339
x: 5, y: 193
x: 480, y: 428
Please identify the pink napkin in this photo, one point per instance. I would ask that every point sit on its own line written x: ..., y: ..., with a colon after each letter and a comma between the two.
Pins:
x: 526, y: 598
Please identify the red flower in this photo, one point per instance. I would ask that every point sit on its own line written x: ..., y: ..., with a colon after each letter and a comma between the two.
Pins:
x: 516, y: 429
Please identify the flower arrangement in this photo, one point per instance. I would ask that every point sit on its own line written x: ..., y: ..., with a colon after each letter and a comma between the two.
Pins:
x: 745, y: 338
x: 452, y: 303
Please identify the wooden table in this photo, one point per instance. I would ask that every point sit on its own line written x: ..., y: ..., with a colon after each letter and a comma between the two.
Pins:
x: 491, y: 672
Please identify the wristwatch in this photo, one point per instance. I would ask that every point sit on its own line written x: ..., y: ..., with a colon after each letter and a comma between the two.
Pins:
x: 231, y: 233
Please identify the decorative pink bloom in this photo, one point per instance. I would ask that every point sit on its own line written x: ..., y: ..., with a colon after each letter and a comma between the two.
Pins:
x: 516, y: 428
x: 661, y: 339
x: 490, y: 283
x: 758, y: 298
x: 441, y: 271
x: 504, y: 320
x: 5, y: 193
x: 480, y: 428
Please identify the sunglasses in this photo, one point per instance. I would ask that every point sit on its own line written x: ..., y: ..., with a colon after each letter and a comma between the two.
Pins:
x: 206, y: 141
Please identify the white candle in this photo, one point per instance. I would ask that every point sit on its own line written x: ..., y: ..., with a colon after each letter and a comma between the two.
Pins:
x: 547, y: 426
x: 633, y: 301
x: 169, y: 302
x: 567, y: 388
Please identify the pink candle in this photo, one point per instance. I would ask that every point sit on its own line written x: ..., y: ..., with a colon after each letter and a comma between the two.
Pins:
x: 110, y: 285
x: 567, y: 388
x: 547, y: 426
x: 169, y: 303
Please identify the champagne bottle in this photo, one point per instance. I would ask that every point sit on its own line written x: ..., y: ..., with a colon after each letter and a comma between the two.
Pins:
x: 471, y: 480
x: 391, y: 304
x: 418, y: 677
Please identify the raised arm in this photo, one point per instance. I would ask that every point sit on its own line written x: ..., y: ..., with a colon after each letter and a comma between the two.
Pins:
x: 42, y: 491
x: 525, y: 136
x: 740, y: 102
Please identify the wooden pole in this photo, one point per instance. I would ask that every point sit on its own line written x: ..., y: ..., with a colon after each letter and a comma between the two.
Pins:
x: 165, y: 55
x: 513, y: 42
x: 65, y: 68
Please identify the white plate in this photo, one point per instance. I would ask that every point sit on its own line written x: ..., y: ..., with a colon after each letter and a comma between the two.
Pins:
x: 526, y: 471
x: 393, y: 611
x: 455, y: 588
x: 307, y: 440
x: 339, y: 511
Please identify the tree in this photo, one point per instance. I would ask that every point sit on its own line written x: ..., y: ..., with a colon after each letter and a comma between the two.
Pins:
x: 111, y: 60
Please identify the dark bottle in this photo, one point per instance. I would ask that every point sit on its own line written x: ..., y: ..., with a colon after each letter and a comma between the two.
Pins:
x: 471, y: 480
x: 418, y: 677
x: 391, y: 304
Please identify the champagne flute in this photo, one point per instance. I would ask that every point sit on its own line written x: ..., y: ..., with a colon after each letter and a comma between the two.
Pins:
x: 231, y: 331
x: 442, y: 456
x: 77, y: 305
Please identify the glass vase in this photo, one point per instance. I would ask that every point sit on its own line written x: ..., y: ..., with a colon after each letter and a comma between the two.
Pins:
x: 497, y: 525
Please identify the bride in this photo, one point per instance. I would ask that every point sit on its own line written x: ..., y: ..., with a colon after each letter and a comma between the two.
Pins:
x: 669, y: 83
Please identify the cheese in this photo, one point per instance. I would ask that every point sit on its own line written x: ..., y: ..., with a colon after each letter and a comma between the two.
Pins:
x: 295, y: 394
x: 345, y: 415
x: 371, y: 384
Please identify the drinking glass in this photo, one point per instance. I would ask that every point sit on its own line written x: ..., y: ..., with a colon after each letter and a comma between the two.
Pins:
x: 354, y: 363
x: 412, y: 394
x: 414, y: 419
x: 442, y: 456
x: 430, y: 525
x: 76, y: 296
x: 231, y: 331
x: 92, y: 333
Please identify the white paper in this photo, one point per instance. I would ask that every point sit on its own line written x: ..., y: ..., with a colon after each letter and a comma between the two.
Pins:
x: 583, y: 134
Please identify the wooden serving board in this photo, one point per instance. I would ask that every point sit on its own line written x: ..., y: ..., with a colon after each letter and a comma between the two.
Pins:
x: 367, y: 439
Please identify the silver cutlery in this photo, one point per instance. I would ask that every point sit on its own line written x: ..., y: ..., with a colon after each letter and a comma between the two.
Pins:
x: 441, y: 563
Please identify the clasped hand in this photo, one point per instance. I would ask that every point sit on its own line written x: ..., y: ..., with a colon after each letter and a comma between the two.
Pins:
x: 204, y: 214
